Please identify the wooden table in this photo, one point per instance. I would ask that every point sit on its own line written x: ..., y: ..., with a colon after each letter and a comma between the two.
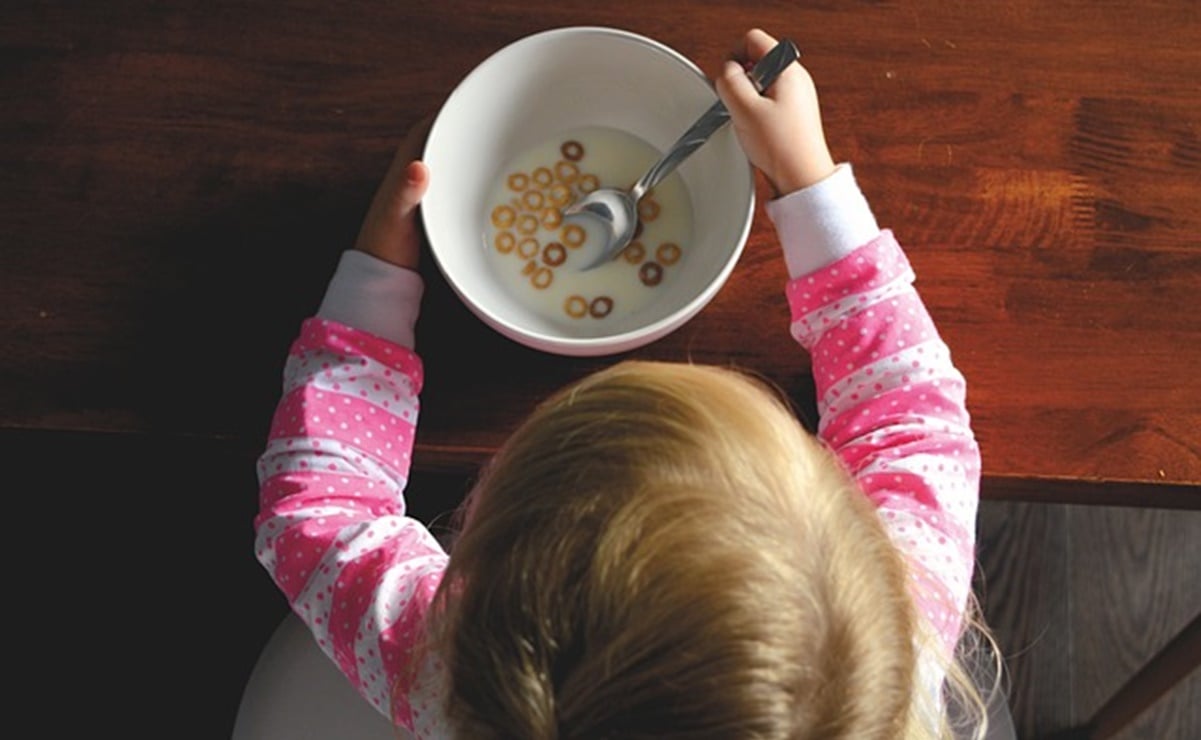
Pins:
x: 178, y: 179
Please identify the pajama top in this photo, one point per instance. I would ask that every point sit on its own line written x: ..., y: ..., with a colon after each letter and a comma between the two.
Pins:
x: 332, y: 530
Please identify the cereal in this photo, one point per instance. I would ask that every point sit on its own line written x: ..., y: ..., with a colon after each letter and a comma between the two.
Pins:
x: 503, y: 217
x: 532, y: 199
x: 554, y: 254
x: 668, y: 253
x: 575, y: 306
x: 567, y: 172
x: 551, y: 218
x: 651, y: 274
x: 559, y: 195
x: 588, y: 183
x: 505, y: 241
x: 601, y: 307
x: 572, y: 150
x: 527, y: 223
x: 542, y: 278
x: 530, y: 241
x: 519, y: 181
x: 573, y: 235
x: 528, y: 247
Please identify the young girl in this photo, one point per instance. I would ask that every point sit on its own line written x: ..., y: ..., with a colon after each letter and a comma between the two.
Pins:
x: 660, y: 550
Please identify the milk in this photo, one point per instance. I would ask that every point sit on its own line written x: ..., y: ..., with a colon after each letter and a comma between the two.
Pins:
x: 523, y: 219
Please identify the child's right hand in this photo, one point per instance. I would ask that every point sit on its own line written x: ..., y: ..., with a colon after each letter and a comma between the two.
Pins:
x: 781, y: 130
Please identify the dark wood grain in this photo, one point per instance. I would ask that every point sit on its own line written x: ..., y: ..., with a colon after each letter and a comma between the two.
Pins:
x: 1022, y: 582
x: 1147, y: 562
x: 178, y: 179
x: 1079, y: 599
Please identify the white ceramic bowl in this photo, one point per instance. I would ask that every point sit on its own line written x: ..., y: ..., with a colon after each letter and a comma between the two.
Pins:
x: 555, y: 81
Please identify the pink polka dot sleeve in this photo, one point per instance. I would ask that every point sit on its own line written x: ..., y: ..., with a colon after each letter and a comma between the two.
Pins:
x: 892, y: 405
x: 331, y: 528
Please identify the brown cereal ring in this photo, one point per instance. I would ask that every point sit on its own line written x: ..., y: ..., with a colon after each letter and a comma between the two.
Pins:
x: 648, y: 210
x: 503, y: 217
x: 505, y: 241
x: 601, y: 307
x: 668, y: 253
x: 634, y: 253
x: 529, y: 267
x: 527, y: 224
x: 575, y: 306
x: 519, y: 181
x: 551, y: 218
x: 532, y: 199
x: 528, y: 247
x: 573, y: 235
x: 567, y: 172
x: 572, y: 150
x: 542, y: 177
x: 559, y: 195
x: 554, y: 254
x: 588, y: 183
x: 542, y: 278
x: 651, y: 274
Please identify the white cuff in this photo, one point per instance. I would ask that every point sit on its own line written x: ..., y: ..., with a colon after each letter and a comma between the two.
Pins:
x: 375, y: 296
x: 822, y: 223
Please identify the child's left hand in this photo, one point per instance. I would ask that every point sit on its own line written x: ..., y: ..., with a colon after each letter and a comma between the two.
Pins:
x: 390, y: 230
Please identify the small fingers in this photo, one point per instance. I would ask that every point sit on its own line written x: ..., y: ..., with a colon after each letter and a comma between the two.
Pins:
x: 415, y: 182
x: 736, y: 90
x: 757, y: 43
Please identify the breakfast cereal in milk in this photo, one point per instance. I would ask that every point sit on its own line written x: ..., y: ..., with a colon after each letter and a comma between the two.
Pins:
x: 538, y: 256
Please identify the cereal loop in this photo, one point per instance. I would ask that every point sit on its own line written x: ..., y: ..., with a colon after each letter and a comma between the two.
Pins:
x: 528, y: 247
x: 559, y: 195
x: 519, y: 181
x: 567, y: 172
x: 601, y: 307
x: 588, y: 183
x: 573, y: 235
x: 532, y: 199
x: 542, y: 278
x: 542, y: 177
x: 554, y: 254
x: 575, y: 306
x: 648, y: 210
x: 651, y: 274
x: 503, y: 217
x: 668, y: 253
x: 527, y: 224
x: 551, y: 218
x: 634, y: 253
x: 572, y: 150
x: 529, y: 268
x: 505, y: 241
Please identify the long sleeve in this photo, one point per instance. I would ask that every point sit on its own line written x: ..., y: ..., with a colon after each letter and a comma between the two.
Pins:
x: 891, y: 403
x: 331, y: 528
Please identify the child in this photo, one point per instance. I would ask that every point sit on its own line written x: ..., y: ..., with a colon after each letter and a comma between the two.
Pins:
x: 660, y: 550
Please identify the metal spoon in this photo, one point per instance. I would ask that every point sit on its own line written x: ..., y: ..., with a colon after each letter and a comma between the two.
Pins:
x: 617, y: 210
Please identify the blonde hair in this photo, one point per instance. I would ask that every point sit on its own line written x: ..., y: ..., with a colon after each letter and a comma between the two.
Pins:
x: 661, y: 550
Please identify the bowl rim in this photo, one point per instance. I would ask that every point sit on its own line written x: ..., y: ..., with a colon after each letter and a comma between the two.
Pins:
x: 622, y: 341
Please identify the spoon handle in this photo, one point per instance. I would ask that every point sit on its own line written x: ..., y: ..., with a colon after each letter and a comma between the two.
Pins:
x: 762, y: 76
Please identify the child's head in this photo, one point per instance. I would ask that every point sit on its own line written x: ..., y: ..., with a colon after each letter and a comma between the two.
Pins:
x: 663, y: 551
